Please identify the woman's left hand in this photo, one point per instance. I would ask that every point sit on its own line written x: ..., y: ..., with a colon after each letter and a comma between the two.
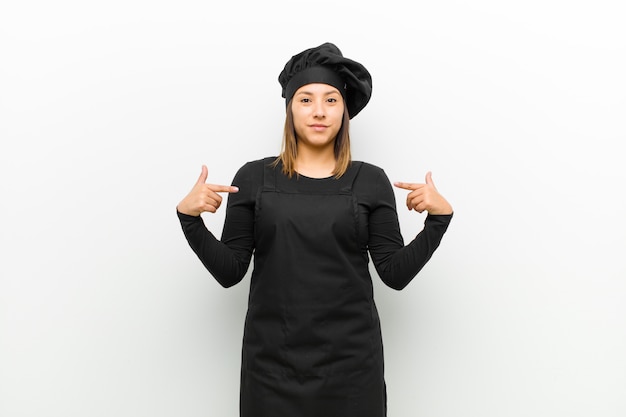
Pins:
x: 425, y: 197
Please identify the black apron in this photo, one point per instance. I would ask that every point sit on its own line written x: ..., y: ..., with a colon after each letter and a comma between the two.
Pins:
x: 312, y: 343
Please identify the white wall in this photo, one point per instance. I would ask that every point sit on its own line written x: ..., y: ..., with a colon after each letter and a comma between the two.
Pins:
x: 108, y: 111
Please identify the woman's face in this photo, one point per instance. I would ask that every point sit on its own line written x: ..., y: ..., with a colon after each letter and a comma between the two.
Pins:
x: 317, y: 115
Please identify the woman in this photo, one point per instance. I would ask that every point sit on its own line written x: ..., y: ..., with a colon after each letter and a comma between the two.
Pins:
x: 312, y: 342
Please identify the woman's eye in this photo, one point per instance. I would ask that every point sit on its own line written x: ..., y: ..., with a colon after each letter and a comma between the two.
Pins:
x: 332, y: 100
x: 305, y: 100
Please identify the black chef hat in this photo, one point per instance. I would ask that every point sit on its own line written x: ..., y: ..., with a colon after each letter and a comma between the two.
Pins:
x: 326, y: 64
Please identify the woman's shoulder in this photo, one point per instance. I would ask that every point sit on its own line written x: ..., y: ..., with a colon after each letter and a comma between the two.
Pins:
x: 372, y: 184
x: 249, y: 178
x: 369, y: 170
x: 255, y: 167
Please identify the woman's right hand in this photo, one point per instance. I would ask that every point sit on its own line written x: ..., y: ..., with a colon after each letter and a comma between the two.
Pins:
x: 204, y: 197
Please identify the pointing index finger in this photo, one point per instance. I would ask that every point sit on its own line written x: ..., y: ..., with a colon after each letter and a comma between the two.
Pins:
x: 408, y: 185
x: 223, y: 188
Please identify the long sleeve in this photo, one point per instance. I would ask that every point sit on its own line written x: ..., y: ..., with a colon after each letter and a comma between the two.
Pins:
x: 228, y: 259
x: 396, y: 263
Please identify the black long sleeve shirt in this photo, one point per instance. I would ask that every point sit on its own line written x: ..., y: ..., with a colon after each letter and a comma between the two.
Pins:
x: 379, y: 234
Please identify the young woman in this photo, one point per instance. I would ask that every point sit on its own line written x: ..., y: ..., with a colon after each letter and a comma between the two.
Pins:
x: 312, y: 217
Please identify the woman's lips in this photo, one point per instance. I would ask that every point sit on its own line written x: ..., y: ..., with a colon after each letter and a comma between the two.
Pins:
x: 319, y: 128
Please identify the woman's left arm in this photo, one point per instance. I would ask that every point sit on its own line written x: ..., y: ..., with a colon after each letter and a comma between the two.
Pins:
x: 397, y: 264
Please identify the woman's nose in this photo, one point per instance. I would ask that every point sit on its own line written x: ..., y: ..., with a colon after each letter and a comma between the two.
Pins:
x: 319, y: 110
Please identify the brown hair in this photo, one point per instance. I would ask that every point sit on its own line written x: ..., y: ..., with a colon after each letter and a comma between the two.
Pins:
x: 289, y: 151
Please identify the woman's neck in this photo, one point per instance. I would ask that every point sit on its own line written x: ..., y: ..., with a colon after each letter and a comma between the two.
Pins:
x: 315, y: 163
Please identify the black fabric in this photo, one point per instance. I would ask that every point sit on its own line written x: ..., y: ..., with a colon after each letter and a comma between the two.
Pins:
x: 312, y: 343
x: 379, y: 232
x: 310, y: 75
x: 357, y: 79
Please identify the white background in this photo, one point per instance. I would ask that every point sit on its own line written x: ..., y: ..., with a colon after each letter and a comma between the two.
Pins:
x: 109, y: 109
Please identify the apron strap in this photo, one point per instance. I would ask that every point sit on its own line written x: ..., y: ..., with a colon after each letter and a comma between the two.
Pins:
x: 350, y: 176
x: 269, y: 174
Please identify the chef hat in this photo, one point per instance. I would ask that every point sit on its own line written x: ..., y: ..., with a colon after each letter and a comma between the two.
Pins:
x: 326, y: 64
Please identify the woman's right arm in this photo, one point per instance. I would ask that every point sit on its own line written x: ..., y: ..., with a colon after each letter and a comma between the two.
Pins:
x: 227, y: 260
